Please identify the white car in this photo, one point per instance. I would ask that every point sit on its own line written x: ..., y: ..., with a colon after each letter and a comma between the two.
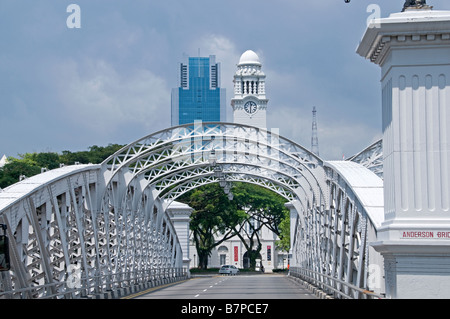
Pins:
x: 229, y: 270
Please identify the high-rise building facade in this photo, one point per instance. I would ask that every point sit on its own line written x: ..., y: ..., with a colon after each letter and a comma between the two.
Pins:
x: 198, y: 95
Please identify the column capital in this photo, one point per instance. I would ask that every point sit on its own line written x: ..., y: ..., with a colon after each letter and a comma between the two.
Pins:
x: 407, y: 28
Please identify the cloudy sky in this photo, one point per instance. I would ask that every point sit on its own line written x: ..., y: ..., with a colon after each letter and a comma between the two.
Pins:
x: 109, y: 81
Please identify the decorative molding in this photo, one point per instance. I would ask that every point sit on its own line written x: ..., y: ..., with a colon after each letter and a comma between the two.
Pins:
x: 385, y: 42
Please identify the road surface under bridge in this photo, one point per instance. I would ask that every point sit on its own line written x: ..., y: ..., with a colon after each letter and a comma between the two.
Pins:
x: 260, y: 286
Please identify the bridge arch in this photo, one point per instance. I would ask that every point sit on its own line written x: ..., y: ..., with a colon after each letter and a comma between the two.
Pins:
x: 121, y: 222
x: 187, y: 145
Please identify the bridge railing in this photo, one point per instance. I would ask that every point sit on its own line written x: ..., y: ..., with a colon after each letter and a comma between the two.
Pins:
x: 94, y: 286
x: 332, y: 286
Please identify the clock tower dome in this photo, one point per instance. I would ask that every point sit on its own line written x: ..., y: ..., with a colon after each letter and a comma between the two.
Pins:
x: 249, y: 102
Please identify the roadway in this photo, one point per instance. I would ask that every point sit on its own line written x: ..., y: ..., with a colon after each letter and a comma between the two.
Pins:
x: 261, y: 286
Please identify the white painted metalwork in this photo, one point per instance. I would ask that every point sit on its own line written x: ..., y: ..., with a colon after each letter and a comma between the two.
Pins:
x: 333, y: 244
x: 63, y: 246
x: 108, y: 223
x: 371, y: 157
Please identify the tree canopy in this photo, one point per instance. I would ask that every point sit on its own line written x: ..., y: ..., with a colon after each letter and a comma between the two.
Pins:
x: 216, y: 218
x: 30, y: 164
x: 264, y: 209
x: 214, y: 214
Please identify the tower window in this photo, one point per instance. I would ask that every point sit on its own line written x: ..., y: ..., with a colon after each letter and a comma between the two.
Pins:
x: 214, y: 79
x: 183, y: 75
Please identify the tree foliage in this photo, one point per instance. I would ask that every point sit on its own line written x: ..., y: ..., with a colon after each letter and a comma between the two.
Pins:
x: 95, y: 154
x: 215, y: 217
x: 30, y: 164
x: 264, y: 209
x: 284, y: 243
x: 214, y: 214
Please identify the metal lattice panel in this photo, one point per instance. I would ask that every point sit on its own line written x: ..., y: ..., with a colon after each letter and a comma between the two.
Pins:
x: 334, y: 243
x: 61, y: 245
x: 169, y: 152
x: 371, y: 157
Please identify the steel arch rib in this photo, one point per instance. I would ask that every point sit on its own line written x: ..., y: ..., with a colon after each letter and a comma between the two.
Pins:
x: 143, y: 147
x: 371, y: 157
x: 197, y: 181
x: 138, y: 149
x: 173, y: 177
x: 174, y: 172
x: 148, y: 142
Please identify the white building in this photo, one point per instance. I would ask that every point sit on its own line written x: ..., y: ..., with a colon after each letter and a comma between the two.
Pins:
x: 3, y: 161
x: 233, y: 252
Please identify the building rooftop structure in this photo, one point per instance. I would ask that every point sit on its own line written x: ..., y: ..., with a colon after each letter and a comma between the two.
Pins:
x: 3, y: 160
x: 249, y: 57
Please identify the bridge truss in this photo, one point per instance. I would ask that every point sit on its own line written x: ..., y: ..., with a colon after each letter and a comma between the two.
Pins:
x: 85, y: 229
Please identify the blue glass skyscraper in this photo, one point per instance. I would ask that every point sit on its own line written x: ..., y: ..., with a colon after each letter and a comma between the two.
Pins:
x: 198, y: 95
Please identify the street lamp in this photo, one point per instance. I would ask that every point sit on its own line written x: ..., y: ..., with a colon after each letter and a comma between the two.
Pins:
x: 218, y: 171
x: 227, y: 187
x: 212, y: 158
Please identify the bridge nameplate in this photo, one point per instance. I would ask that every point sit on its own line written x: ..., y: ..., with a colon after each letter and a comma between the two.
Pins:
x: 425, y: 234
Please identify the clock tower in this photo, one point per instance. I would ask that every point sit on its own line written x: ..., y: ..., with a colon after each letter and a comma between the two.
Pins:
x: 249, y: 102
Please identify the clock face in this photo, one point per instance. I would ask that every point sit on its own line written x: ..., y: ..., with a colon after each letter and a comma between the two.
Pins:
x: 250, y: 107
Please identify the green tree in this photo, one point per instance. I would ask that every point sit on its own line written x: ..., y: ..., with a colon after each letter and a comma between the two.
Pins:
x: 30, y: 164
x: 42, y: 160
x: 95, y: 155
x: 264, y: 208
x: 252, y: 208
x: 285, y: 229
x: 214, y: 214
x: 11, y: 172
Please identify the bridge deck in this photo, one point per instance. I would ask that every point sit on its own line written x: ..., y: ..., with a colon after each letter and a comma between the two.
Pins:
x: 254, y: 287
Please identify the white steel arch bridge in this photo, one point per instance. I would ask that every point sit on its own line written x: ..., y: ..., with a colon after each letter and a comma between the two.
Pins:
x: 86, y: 230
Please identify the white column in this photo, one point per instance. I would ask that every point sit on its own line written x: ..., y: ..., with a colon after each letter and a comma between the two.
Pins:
x: 293, y: 215
x: 413, y: 51
x: 180, y: 216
